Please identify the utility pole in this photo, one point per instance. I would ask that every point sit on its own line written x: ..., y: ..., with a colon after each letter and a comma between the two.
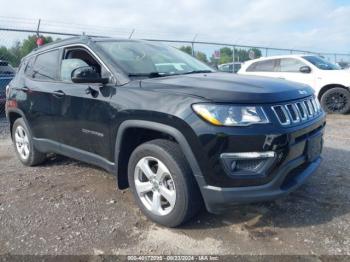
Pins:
x: 192, y: 45
x: 132, y: 32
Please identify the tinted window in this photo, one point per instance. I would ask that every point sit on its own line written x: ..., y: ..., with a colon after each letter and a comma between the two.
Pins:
x: 46, y: 66
x: 224, y: 68
x: 28, y: 70
x: 321, y: 63
x: 290, y: 65
x: 237, y: 67
x: 262, y: 66
x: 137, y: 58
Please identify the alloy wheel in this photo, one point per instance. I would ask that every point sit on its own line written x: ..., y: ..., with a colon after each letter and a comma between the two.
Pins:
x: 22, y: 142
x: 155, y: 186
x: 336, y: 102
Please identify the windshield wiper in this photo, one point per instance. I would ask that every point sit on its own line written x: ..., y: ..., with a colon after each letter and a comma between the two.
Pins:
x: 159, y: 74
x: 150, y: 75
x: 198, y: 72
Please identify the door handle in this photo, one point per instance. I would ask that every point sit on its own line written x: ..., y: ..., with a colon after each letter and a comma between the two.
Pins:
x: 58, y: 93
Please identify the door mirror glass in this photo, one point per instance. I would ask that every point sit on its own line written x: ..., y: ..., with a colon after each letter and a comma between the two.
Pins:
x: 305, y: 69
x: 87, y: 74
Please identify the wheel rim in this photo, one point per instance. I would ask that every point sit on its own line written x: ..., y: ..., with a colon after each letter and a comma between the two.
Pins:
x: 155, y: 186
x: 336, y: 102
x: 22, y: 142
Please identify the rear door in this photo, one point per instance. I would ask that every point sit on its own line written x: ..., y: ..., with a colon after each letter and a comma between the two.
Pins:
x: 265, y: 67
x: 37, y: 93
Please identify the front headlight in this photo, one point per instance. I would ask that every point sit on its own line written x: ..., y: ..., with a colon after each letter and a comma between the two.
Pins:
x: 231, y: 115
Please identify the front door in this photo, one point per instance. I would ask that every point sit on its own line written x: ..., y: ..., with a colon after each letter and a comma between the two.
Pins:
x: 82, y: 119
x: 289, y: 69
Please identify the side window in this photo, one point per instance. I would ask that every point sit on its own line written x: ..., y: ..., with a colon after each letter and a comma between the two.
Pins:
x: 78, y: 57
x: 29, y: 64
x: 46, y: 66
x: 290, y: 65
x: 263, y: 66
x: 224, y: 68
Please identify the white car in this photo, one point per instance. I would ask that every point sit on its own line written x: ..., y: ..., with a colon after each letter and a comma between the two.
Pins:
x: 331, y: 84
x: 230, y: 67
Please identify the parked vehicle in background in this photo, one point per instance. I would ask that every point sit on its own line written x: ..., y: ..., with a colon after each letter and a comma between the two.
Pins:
x: 343, y: 65
x: 331, y: 84
x: 6, y: 75
x: 230, y: 67
x: 179, y: 138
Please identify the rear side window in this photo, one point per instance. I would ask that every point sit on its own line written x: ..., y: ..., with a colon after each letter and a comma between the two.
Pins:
x: 263, y: 66
x: 29, y: 64
x: 290, y: 65
x: 46, y: 66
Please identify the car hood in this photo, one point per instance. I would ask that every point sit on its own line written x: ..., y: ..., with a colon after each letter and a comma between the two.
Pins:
x: 225, y: 87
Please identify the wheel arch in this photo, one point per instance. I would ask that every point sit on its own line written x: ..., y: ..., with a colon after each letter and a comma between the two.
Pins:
x: 325, y: 88
x: 13, y: 115
x: 155, y: 128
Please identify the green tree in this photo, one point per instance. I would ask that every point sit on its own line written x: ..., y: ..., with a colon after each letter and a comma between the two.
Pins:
x: 29, y: 44
x: 15, y: 53
x: 6, y: 55
x: 187, y: 49
x: 241, y: 55
x: 198, y: 54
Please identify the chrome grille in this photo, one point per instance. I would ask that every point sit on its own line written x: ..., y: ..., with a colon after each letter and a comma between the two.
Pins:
x: 297, y: 112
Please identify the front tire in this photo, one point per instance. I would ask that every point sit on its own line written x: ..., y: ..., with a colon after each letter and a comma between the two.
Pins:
x: 163, y: 184
x: 23, y: 142
x: 336, y: 101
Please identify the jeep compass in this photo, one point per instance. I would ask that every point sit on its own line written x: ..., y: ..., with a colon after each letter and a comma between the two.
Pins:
x: 175, y: 131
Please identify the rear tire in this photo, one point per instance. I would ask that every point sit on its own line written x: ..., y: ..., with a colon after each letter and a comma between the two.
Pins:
x: 336, y: 101
x: 159, y: 169
x: 23, y: 143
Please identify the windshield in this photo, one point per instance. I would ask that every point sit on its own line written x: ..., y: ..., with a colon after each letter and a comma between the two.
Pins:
x: 321, y: 63
x: 145, y: 58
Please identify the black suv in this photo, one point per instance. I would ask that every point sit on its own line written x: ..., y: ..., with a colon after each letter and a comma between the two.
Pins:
x: 176, y: 132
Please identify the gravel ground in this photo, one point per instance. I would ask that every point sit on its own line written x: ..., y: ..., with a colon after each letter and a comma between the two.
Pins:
x: 68, y: 207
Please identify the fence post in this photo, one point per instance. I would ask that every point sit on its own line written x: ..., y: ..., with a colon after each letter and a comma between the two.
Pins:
x: 38, y: 28
x: 266, y: 51
x: 192, y: 44
x: 233, y: 56
x: 132, y: 32
x: 335, y: 58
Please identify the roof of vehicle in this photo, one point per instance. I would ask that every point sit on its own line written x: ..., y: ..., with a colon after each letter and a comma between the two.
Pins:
x: 278, y: 57
x: 74, y: 40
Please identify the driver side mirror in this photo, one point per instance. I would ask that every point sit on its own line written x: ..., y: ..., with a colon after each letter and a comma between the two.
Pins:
x: 305, y: 69
x: 87, y: 74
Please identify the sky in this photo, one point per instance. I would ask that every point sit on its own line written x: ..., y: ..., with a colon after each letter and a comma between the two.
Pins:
x: 317, y: 25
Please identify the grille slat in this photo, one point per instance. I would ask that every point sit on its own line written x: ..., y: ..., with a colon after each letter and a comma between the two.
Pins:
x: 297, y: 112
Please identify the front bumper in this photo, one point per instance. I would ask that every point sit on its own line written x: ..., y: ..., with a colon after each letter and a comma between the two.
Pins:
x: 289, y: 172
x: 289, y: 178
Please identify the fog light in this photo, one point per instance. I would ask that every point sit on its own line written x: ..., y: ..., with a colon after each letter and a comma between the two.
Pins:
x: 233, y: 165
x: 248, y: 163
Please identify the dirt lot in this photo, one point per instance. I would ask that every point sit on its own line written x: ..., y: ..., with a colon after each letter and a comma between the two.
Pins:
x: 68, y: 207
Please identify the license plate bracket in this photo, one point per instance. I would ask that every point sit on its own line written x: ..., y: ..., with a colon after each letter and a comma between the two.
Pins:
x: 314, y: 148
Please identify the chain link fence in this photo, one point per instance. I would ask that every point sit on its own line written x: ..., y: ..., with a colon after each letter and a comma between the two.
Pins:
x: 18, y: 37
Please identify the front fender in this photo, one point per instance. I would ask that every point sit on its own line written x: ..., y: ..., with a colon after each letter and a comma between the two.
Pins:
x: 160, y: 127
